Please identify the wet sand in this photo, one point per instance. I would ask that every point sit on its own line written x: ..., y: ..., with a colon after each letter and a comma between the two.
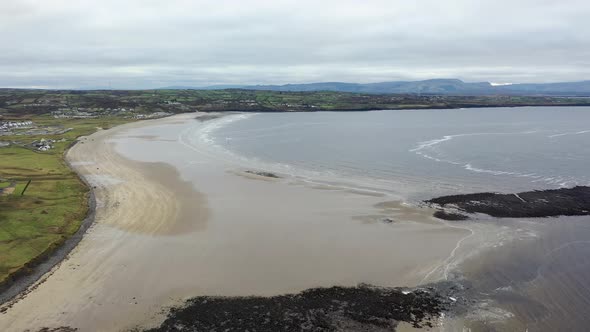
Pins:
x: 174, y: 222
x: 539, y: 282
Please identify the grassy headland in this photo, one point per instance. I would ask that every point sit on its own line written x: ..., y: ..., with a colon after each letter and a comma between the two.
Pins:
x: 34, y: 223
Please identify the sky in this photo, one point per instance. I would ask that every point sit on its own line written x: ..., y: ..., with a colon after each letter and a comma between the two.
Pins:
x: 136, y: 44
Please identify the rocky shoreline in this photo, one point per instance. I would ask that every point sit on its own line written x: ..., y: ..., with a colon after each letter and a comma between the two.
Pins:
x: 531, y: 204
x: 361, y: 308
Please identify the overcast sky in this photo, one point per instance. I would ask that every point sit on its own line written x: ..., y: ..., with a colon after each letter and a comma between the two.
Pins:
x: 147, y: 43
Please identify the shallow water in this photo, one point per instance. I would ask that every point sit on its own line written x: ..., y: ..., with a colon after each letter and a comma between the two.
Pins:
x: 526, y: 274
x: 177, y: 220
x: 417, y: 154
x: 321, y: 224
x: 531, y: 274
x: 285, y: 235
x: 268, y: 236
x: 541, y: 280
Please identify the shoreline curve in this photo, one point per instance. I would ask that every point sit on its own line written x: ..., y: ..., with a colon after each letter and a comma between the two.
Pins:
x: 44, y: 264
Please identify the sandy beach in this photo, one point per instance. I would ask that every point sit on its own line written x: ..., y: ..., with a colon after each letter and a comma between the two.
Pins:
x: 173, y: 222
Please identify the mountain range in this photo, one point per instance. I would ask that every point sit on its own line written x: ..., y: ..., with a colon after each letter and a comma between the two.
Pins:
x: 433, y: 86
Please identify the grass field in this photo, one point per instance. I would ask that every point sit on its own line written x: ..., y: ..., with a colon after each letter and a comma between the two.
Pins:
x: 54, y: 204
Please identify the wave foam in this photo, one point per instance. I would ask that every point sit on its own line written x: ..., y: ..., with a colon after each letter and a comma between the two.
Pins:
x: 427, y: 148
x: 570, y: 133
x: 201, y: 139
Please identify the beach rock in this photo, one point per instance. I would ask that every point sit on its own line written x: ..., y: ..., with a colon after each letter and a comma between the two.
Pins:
x: 362, y: 308
x: 542, y: 203
x: 445, y: 215
x: 265, y: 174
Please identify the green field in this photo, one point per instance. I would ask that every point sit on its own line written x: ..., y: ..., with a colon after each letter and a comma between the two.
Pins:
x: 55, y: 202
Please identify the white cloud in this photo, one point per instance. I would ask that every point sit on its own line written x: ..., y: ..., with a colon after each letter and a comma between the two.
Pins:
x: 136, y: 44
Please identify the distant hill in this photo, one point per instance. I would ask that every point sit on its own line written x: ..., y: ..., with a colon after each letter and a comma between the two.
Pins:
x: 434, y: 86
x: 210, y: 87
x: 438, y: 86
x: 566, y: 88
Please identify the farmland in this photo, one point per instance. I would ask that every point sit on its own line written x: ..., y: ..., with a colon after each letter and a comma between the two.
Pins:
x: 54, y: 204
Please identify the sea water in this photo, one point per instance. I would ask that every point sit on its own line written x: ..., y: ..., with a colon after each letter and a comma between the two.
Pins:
x: 537, y: 281
x: 417, y: 154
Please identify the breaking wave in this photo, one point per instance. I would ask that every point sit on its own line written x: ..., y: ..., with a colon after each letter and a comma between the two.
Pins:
x: 428, y: 150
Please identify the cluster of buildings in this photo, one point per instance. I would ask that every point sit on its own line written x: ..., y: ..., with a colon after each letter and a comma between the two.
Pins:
x: 9, y: 125
x: 152, y: 115
x: 43, y: 144
x: 88, y: 113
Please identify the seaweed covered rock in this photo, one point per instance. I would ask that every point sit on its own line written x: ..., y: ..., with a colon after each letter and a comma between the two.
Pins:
x: 542, y: 203
x: 363, y: 308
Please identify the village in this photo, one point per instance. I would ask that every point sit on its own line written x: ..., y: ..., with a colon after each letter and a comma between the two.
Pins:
x: 98, y: 112
x: 90, y: 112
x: 12, y: 128
x: 10, y: 125
x: 45, y: 144
x: 28, y: 128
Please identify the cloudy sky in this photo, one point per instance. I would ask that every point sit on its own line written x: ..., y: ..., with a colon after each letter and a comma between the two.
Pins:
x: 148, y: 43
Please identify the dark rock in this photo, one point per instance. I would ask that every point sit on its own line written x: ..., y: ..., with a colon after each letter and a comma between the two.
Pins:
x: 543, y: 203
x: 265, y: 174
x: 58, y: 329
x: 442, y: 214
x: 365, y: 308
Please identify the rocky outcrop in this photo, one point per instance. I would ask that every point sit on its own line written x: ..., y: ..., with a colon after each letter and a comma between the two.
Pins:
x: 531, y: 204
x: 362, y: 308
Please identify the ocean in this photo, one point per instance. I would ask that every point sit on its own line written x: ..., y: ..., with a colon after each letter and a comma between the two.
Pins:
x: 534, y: 278
x: 522, y: 274
x: 416, y: 154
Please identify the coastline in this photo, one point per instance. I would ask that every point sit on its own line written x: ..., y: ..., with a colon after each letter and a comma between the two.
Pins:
x: 117, y: 277
x: 257, y: 233
x: 64, y: 260
x: 44, y: 264
x: 400, y: 108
